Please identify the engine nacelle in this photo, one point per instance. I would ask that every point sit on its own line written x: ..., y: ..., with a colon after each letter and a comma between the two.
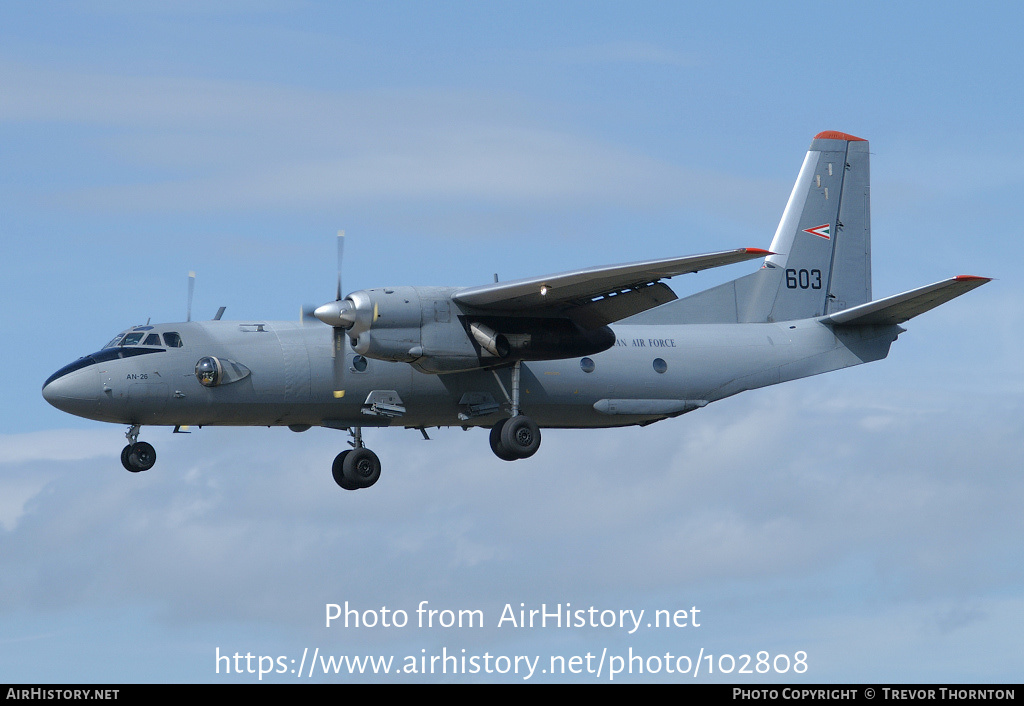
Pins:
x: 384, y: 323
x: 400, y: 345
x: 422, y: 326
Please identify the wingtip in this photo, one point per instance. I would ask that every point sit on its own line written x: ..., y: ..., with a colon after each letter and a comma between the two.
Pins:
x: 758, y: 251
x: 836, y: 135
x: 972, y: 278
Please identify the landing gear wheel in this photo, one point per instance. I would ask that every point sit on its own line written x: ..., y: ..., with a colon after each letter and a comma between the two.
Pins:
x: 499, y: 449
x: 520, y: 436
x: 355, y: 469
x: 361, y: 467
x: 338, y: 472
x: 138, y: 457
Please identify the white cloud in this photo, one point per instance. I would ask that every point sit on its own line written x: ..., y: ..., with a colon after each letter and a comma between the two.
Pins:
x: 56, y: 445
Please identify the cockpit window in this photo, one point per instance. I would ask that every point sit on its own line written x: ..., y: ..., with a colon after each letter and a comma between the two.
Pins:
x: 144, y: 336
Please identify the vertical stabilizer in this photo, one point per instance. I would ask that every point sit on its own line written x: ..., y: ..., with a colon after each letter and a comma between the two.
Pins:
x: 821, y: 261
x: 823, y: 242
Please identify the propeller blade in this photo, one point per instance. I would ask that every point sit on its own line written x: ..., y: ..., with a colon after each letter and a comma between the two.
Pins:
x: 306, y: 313
x: 339, y: 363
x: 341, y: 252
x: 191, y: 290
x: 333, y: 317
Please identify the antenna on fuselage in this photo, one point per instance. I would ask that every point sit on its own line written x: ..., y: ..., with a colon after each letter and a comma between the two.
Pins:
x: 191, y: 290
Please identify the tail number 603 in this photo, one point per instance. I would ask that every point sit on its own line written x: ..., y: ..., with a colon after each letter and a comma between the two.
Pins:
x: 803, y: 279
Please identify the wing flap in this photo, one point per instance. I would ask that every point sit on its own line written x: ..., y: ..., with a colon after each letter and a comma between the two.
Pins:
x: 563, y: 292
x: 902, y: 307
x: 615, y: 307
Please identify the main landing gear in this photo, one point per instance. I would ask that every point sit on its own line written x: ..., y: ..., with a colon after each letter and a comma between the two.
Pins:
x: 358, y: 467
x: 515, y: 438
x: 137, y: 456
x: 518, y: 436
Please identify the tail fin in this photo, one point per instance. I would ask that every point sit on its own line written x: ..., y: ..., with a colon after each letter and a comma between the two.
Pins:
x: 821, y: 261
x: 824, y: 238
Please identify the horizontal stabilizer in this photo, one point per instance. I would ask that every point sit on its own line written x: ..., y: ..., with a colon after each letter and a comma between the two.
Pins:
x: 902, y: 307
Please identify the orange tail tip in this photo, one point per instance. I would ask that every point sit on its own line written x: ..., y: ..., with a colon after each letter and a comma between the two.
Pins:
x: 834, y: 135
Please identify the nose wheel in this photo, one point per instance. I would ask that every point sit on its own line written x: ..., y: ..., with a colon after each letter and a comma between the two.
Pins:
x: 137, y: 456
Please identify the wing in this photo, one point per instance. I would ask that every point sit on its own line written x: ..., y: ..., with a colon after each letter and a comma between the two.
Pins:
x: 903, y: 307
x: 597, y: 295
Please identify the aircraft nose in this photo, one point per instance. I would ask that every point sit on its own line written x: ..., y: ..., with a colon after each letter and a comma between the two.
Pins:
x: 77, y: 392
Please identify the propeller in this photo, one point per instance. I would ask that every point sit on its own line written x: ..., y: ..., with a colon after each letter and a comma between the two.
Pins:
x: 341, y: 253
x: 191, y: 290
x: 331, y: 314
x: 348, y: 317
x: 339, y: 312
x: 306, y: 313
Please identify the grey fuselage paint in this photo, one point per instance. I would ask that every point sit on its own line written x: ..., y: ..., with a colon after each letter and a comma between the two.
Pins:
x: 292, y: 377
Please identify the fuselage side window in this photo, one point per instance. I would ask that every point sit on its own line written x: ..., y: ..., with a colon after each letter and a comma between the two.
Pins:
x: 152, y: 339
x: 172, y: 340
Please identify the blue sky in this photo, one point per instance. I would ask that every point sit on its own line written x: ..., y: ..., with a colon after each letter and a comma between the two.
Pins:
x: 870, y: 518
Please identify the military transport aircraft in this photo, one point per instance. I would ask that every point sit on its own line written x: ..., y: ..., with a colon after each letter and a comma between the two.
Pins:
x: 599, y: 347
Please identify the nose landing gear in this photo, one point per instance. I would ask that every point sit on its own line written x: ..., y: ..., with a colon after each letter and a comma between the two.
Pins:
x: 137, y: 456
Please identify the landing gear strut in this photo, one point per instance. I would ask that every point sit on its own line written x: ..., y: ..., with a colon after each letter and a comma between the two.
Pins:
x: 358, y: 467
x: 137, y: 456
x: 518, y: 436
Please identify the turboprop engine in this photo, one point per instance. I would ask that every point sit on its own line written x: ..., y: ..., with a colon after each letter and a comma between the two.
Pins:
x: 424, y: 327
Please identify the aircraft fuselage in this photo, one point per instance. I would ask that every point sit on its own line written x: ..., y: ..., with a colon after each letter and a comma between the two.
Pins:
x: 652, y: 372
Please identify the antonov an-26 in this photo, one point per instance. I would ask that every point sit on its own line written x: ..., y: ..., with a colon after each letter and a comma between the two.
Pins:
x: 598, y: 347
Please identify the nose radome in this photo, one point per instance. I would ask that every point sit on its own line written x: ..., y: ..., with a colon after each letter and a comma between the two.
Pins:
x: 75, y: 393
